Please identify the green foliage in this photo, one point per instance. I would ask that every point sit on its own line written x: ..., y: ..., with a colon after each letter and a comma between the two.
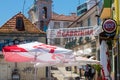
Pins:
x: 97, y: 67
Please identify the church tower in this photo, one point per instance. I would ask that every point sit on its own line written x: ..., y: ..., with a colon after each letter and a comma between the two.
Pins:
x: 41, y: 13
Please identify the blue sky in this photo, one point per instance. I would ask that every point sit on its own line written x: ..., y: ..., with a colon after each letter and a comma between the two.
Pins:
x: 9, y: 8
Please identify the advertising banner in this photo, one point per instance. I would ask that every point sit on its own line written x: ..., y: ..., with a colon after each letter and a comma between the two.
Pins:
x: 70, y: 32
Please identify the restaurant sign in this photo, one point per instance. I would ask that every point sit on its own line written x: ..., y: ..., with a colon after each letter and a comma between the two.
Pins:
x: 109, y: 26
x: 70, y: 32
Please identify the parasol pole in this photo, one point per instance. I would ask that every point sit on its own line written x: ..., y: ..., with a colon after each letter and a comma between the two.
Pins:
x: 35, y: 75
x: 49, y: 72
x: 35, y: 67
x: 49, y: 67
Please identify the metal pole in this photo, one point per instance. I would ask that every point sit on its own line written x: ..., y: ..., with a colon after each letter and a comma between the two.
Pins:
x: 35, y: 73
x: 23, y: 6
x: 117, y: 58
x: 49, y: 72
x: 49, y: 67
x: 115, y: 67
x: 118, y: 62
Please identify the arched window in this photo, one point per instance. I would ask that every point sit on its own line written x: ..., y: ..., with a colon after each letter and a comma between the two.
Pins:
x: 20, y: 24
x: 44, y: 12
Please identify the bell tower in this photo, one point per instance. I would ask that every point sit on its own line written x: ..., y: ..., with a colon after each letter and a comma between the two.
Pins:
x: 44, y: 11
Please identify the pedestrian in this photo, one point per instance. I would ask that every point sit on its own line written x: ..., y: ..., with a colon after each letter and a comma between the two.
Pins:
x: 87, y: 72
x: 92, y: 73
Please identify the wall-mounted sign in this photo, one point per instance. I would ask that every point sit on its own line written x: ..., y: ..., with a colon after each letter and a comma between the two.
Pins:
x: 109, y: 25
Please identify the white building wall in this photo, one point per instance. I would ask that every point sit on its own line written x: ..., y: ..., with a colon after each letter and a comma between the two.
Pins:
x: 91, y: 3
x: 51, y: 26
x: 61, y: 24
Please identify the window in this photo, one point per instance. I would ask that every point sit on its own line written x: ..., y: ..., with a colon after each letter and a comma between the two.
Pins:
x: 89, y: 22
x: 66, y: 24
x: 1, y: 46
x: 93, y: 44
x: 57, y: 41
x: 80, y: 40
x: 16, y: 41
x: 81, y: 24
x: 87, y: 39
x: 98, y: 21
x: 81, y: 9
x: 94, y: 50
x: 20, y: 24
x: 56, y: 25
x: 44, y: 12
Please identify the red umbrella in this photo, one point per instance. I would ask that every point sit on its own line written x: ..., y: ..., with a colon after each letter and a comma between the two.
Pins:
x: 12, y: 54
x: 36, y: 51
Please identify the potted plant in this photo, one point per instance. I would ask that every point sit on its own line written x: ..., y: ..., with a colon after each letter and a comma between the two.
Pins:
x: 98, y: 68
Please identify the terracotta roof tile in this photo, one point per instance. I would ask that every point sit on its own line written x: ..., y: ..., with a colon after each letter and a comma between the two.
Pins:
x: 10, y: 26
x: 64, y: 17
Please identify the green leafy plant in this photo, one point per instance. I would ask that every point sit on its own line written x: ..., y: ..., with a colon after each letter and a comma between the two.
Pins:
x: 97, y: 68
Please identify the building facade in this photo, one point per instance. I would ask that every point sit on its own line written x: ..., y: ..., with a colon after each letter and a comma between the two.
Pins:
x: 47, y: 19
x: 82, y: 8
x: 18, y: 30
x: 86, y: 46
x: 111, y: 7
x: 88, y: 19
x: 60, y: 21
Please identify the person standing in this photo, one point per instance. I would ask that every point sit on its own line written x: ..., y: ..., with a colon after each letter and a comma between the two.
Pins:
x: 92, y: 73
x: 87, y: 72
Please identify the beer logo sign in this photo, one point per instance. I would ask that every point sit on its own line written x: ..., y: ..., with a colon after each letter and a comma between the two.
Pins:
x: 109, y: 26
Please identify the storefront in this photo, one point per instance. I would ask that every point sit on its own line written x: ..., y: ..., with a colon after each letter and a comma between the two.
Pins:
x: 23, y: 71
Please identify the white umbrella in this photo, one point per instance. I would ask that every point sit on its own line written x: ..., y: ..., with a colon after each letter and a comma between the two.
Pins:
x: 37, y: 52
x: 76, y: 62
x: 84, y: 52
x: 84, y: 60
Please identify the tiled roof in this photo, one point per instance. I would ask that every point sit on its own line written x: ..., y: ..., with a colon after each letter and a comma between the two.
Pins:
x: 64, y: 17
x: 10, y: 26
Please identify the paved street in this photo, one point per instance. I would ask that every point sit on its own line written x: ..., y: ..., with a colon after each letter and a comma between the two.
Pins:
x: 62, y: 74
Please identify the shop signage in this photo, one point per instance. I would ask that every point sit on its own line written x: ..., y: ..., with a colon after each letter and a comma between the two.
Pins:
x: 70, y: 32
x: 109, y: 26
